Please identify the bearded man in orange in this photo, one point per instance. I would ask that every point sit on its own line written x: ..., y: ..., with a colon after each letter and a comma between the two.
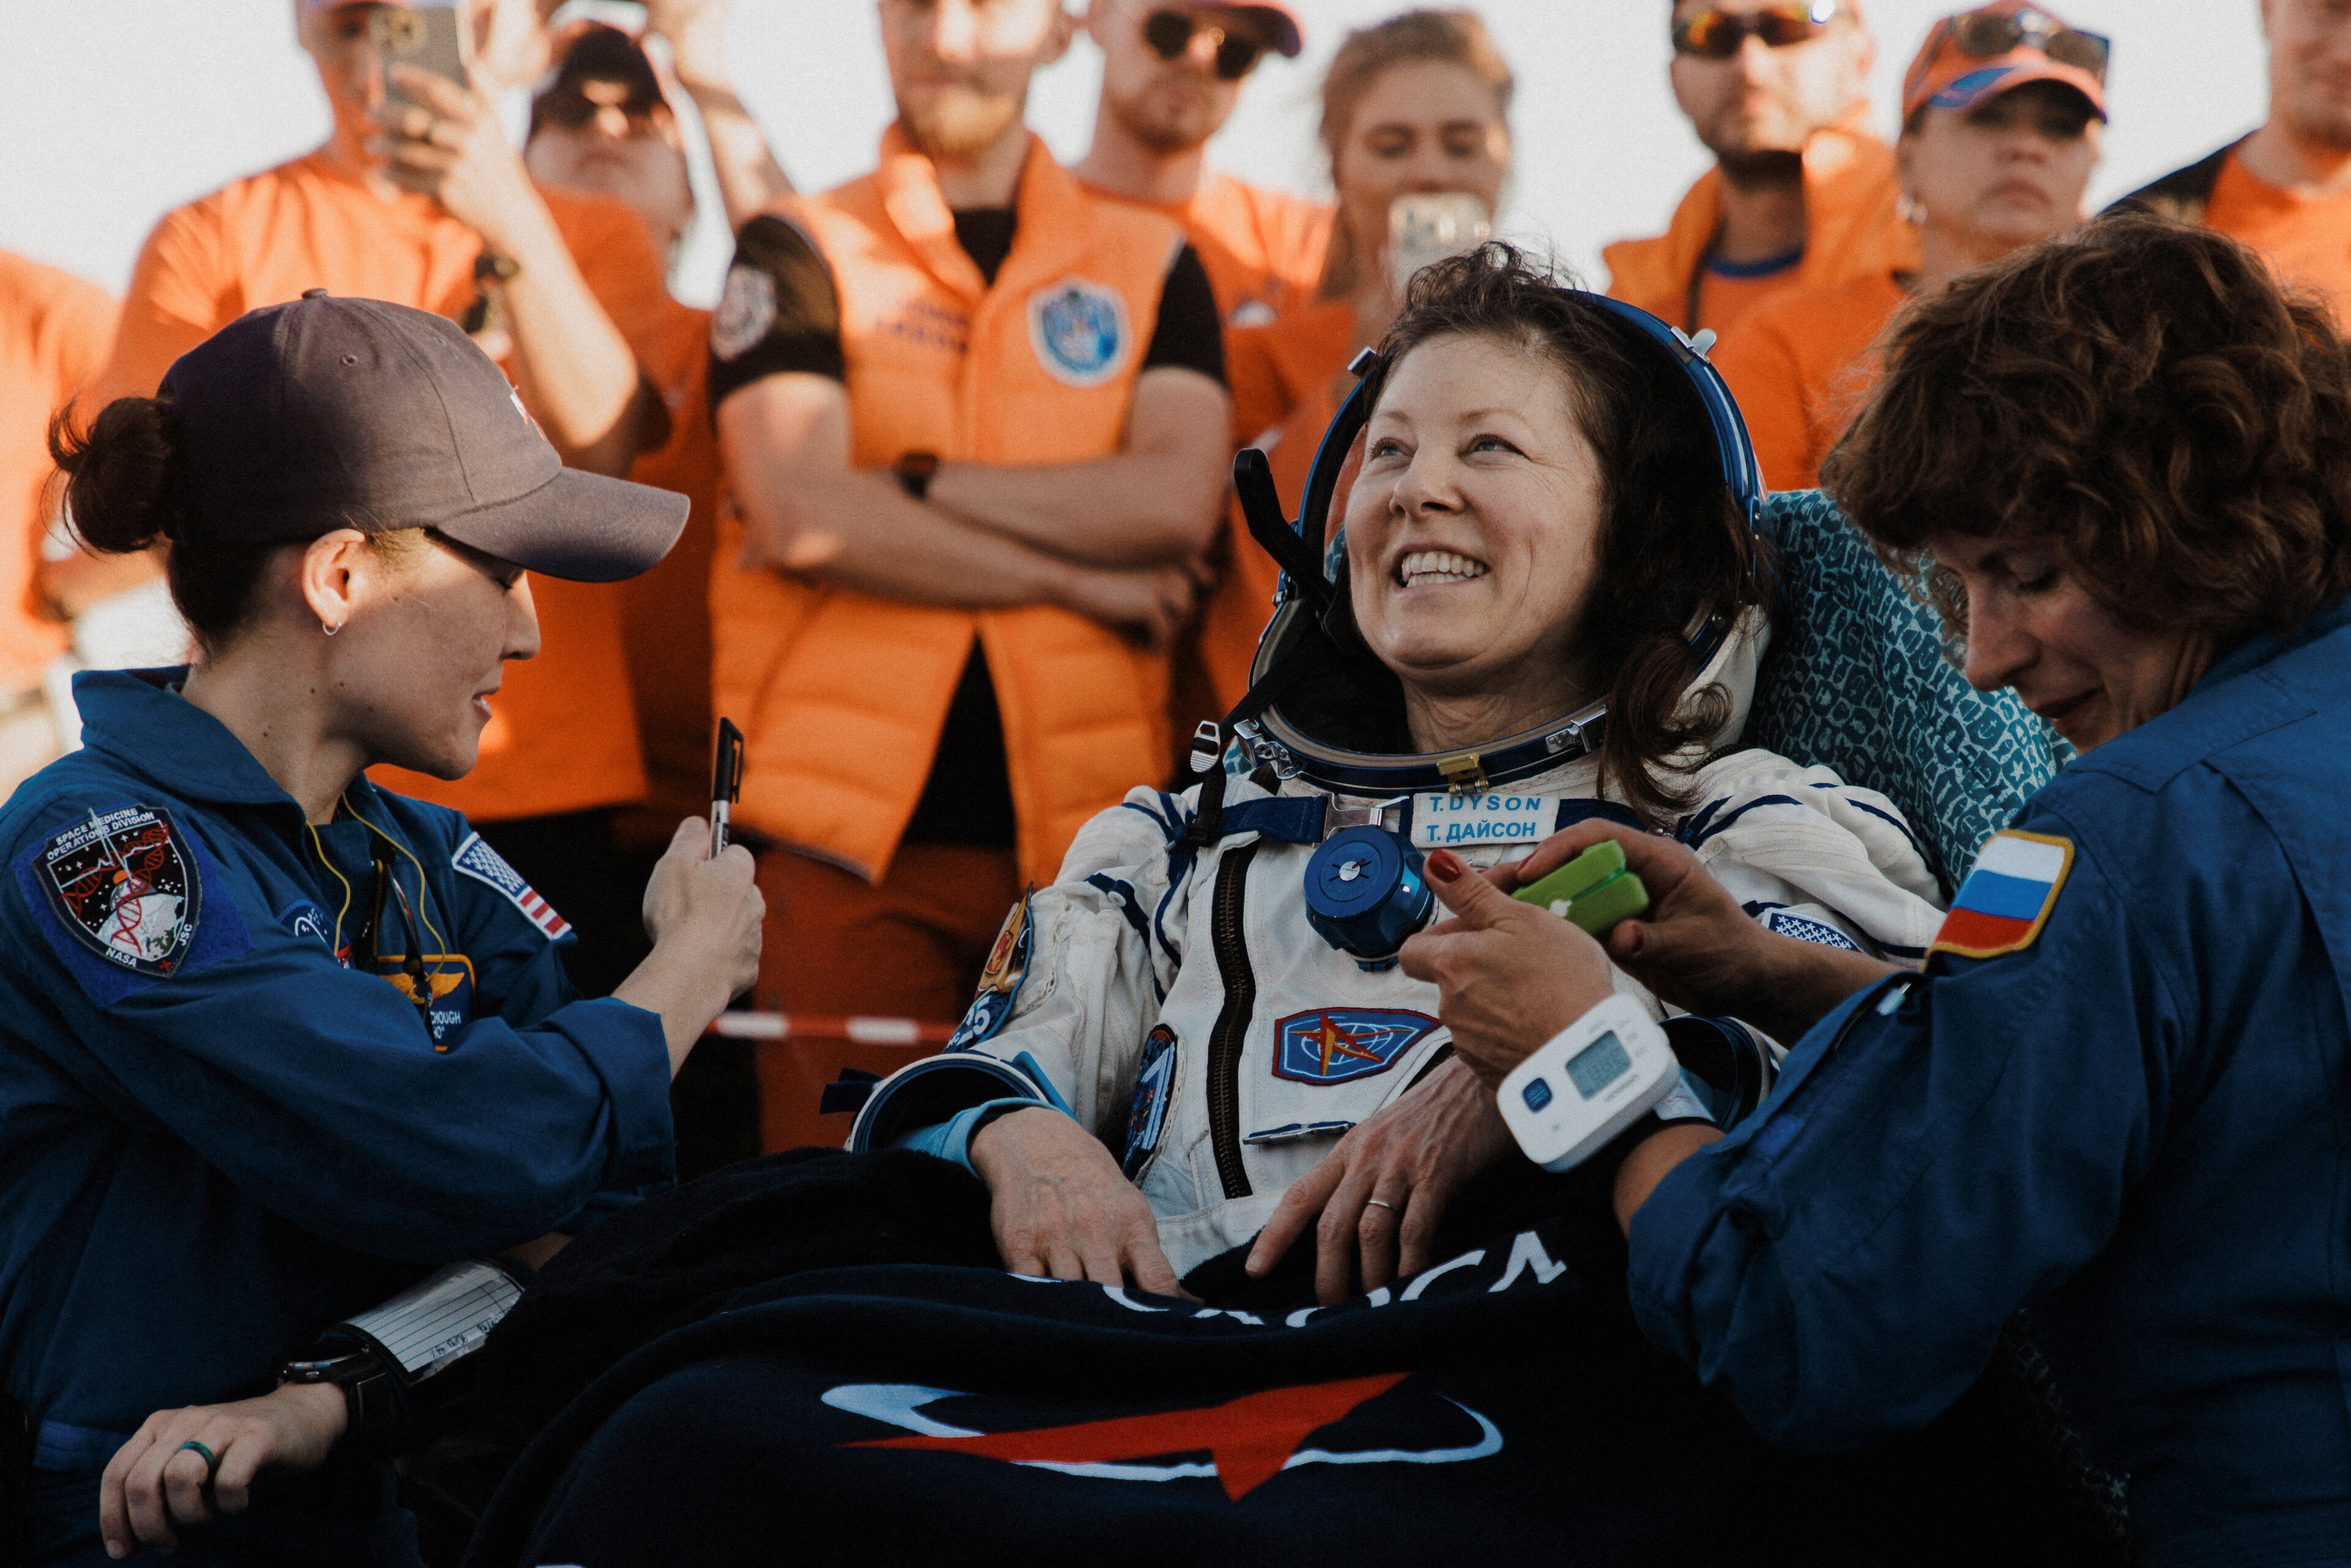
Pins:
x: 1803, y: 192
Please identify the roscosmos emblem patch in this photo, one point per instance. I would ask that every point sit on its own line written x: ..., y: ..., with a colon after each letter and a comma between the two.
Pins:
x: 125, y: 883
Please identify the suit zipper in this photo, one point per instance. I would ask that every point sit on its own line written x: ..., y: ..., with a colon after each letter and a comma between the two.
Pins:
x: 1230, y: 1037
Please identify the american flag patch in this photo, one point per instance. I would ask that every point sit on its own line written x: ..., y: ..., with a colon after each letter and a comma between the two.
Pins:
x: 482, y: 863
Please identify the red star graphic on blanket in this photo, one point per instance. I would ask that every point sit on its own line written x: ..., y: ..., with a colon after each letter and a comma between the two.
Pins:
x: 1250, y: 1438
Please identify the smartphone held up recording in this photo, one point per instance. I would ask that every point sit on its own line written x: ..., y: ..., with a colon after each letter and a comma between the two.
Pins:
x: 425, y: 36
x: 1430, y: 225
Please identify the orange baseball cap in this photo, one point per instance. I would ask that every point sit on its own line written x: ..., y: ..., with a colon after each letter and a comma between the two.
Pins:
x: 1975, y: 55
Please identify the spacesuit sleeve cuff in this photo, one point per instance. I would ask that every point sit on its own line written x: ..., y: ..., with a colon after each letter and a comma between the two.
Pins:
x: 933, y: 1091
x: 951, y: 1139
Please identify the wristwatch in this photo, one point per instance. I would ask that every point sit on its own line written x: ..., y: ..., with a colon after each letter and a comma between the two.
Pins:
x: 370, y: 1393
x: 913, y: 471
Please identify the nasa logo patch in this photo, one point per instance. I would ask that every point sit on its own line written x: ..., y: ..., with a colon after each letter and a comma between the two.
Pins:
x: 1336, y: 1045
x: 1148, y: 1117
x: 477, y: 860
x: 310, y: 922
x: 746, y: 310
x: 1079, y: 330
x: 125, y: 883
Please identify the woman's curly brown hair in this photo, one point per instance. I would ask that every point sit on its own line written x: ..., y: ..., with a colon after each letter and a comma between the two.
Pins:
x: 1673, y: 546
x: 2148, y: 399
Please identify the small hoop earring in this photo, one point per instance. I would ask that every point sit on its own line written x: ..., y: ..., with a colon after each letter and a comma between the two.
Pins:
x: 1910, y: 210
x: 329, y: 630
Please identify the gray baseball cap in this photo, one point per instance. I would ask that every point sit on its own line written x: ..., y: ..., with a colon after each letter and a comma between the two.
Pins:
x: 327, y: 413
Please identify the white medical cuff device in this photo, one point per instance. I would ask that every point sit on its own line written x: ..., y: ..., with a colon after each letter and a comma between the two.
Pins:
x: 1587, y: 1083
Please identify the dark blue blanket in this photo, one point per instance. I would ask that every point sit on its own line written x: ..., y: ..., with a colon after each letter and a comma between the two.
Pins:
x: 1499, y: 1405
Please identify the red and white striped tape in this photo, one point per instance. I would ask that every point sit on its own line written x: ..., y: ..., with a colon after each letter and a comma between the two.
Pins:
x: 857, y: 1030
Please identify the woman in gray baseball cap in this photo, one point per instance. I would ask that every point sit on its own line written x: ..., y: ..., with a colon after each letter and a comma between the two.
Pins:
x: 283, y: 1045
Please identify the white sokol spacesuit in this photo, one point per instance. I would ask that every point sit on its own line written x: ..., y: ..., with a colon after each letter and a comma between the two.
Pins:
x: 1178, y: 1004
x: 1169, y: 990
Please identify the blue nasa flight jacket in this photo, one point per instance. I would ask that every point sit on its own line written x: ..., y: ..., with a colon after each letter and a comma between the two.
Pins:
x: 2138, y: 1127
x: 217, y: 1138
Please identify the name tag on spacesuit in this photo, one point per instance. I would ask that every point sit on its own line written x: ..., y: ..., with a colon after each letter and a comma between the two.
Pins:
x: 1451, y: 821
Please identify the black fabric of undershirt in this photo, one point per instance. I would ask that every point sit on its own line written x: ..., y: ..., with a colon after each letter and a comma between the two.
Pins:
x: 986, y: 235
x: 966, y: 798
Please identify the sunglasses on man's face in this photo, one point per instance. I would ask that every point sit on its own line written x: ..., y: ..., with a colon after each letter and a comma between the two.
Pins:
x: 1170, y: 35
x: 573, y: 111
x: 1717, y: 34
x: 1987, y: 34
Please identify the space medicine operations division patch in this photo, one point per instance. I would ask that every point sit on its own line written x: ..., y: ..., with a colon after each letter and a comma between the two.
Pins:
x: 126, y: 884
x: 477, y: 860
x: 123, y: 891
x: 1080, y: 331
x: 2006, y: 899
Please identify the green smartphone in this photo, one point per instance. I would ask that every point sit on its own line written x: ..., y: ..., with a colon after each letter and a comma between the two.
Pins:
x: 1594, y: 890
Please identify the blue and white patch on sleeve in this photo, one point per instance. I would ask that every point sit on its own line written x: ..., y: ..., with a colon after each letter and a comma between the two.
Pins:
x: 999, y: 982
x: 124, y: 895
x: 1147, y: 1117
x: 476, y: 859
x: 1814, y: 931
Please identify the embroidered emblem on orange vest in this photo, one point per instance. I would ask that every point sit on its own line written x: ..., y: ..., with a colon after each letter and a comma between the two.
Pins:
x: 1080, y: 331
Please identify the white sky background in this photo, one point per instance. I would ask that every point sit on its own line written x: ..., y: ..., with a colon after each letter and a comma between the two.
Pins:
x: 113, y: 111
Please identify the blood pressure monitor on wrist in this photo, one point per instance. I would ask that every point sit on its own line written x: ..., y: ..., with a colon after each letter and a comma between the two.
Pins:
x: 1587, y: 1083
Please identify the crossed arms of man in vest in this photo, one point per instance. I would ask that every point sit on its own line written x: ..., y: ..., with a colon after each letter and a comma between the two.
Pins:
x: 1118, y: 540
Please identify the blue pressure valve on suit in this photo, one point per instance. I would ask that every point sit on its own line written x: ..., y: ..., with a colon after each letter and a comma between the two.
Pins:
x: 1365, y: 894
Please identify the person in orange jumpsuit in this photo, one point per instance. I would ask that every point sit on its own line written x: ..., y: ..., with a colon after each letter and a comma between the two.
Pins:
x: 602, y: 124
x: 54, y: 332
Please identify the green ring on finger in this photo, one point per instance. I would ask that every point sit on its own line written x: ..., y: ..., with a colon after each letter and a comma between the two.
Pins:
x: 212, y: 1460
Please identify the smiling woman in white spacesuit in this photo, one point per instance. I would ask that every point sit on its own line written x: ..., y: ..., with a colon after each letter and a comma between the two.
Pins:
x: 1549, y: 606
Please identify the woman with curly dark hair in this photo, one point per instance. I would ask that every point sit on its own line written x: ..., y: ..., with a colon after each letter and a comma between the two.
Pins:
x: 2119, y: 1096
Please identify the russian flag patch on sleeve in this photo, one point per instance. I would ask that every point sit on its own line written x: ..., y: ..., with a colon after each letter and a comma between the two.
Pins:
x: 2006, y: 898
x: 477, y: 860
